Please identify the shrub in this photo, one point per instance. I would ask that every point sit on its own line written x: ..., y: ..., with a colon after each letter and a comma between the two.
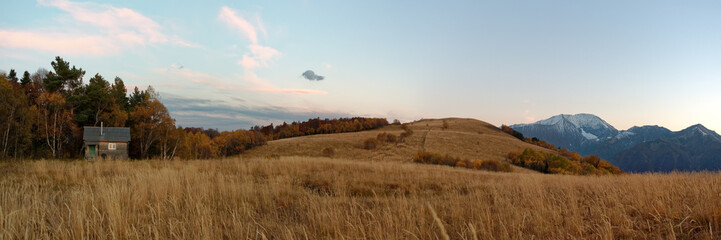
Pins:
x: 554, y: 163
x: 438, y: 159
x: 476, y: 164
x: 390, y: 138
x: 406, y: 128
x: 491, y: 165
x: 385, y: 137
x: 328, y: 152
x: 428, y: 158
x: 370, y: 143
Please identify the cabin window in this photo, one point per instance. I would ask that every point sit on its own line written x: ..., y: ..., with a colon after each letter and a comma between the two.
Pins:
x: 111, y: 146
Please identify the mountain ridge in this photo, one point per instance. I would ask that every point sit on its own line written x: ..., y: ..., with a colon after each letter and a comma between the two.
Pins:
x: 634, y: 149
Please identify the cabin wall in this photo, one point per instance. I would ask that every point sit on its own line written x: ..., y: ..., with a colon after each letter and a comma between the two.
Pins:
x: 102, y: 151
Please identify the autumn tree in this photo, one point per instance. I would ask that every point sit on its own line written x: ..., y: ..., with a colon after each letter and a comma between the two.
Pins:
x: 16, y: 119
x: 230, y: 143
x: 593, y: 160
x: 197, y: 145
x: 149, y: 118
x: 54, y: 121
x: 170, y: 140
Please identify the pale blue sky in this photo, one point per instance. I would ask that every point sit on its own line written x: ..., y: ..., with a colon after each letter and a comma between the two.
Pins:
x: 504, y: 62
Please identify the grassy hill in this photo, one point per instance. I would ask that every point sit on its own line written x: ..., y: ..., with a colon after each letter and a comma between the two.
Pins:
x: 465, y: 138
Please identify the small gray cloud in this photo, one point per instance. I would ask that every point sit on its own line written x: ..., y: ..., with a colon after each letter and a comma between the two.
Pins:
x: 310, y: 75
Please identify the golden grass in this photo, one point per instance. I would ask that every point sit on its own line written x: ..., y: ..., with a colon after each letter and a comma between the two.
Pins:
x: 323, y: 198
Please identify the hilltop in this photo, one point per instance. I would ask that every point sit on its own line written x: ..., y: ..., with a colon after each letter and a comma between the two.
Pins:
x: 464, y: 138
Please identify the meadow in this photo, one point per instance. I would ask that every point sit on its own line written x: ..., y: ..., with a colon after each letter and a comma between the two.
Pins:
x: 330, y: 198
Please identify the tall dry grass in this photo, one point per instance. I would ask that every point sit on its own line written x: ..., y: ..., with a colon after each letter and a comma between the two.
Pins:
x: 319, y: 198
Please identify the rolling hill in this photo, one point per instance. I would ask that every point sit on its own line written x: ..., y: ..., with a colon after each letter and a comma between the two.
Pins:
x: 464, y: 138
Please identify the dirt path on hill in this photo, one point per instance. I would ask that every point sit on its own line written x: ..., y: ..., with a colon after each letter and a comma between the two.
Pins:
x: 423, y: 145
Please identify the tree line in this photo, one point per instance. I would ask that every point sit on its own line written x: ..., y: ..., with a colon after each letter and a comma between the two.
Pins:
x: 320, y: 126
x: 43, y: 114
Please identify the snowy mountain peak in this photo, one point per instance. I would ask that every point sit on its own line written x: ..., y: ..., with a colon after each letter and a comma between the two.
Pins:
x: 581, y: 120
x: 569, y: 131
x: 699, y: 129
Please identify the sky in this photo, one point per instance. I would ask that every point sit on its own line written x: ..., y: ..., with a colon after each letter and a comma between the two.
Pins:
x: 235, y: 64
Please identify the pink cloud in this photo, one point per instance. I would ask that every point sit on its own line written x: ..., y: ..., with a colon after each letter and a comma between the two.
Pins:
x: 263, y: 54
x: 248, y: 62
x: 229, y: 16
x: 115, y: 21
x: 58, y: 42
x: 113, y: 29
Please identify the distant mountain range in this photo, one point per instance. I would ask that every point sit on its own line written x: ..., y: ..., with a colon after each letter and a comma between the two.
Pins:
x: 638, y: 149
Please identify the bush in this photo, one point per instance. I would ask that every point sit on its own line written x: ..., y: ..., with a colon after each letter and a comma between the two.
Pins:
x: 385, y: 137
x: 328, y: 152
x: 476, y: 164
x: 438, y: 159
x: 407, y: 132
x: 554, y: 163
x: 370, y: 143
x: 495, y: 166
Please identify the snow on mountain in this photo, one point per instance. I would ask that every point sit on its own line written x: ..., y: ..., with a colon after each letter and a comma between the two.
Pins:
x: 588, y: 135
x: 624, y: 134
x: 700, y: 130
x: 581, y: 120
x: 644, y: 148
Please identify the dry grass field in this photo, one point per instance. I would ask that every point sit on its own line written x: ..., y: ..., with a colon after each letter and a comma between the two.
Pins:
x: 465, y: 138
x: 323, y: 198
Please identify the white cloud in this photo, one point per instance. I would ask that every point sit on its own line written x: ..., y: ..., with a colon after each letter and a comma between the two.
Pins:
x: 260, y: 56
x: 263, y: 54
x: 229, y: 16
x: 248, y: 62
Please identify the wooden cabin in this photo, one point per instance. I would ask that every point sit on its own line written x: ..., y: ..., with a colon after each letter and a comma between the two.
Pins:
x: 106, y: 143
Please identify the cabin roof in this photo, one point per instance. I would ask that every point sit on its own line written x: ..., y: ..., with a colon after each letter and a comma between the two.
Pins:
x: 109, y: 134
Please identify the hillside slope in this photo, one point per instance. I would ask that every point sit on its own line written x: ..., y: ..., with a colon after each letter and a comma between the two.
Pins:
x: 466, y: 138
